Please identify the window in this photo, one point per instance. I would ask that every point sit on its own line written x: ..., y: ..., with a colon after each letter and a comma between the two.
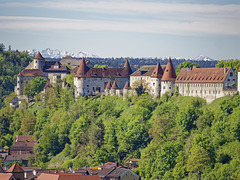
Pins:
x: 228, y: 79
x: 163, y: 87
x: 231, y: 74
x: 233, y: 79
x: 87, y: 85
x: 169, y: 87
x: 153, y: 84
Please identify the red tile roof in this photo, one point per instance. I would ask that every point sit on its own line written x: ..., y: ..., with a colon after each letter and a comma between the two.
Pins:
x: 202, y: 75
x: 114, y: 86
x: 127, y: 86
x: 84, y: 71
x: 31, y: 72
x: 127, y: 68
x: 24, y: 138
x: 6, y: 176
x: 67, y: 176
x: 108, y: 86
x: 15, y: 168
x: 157, y: 72
x: 38, y: 56
x: 169, y: 73
x: 61, y: 68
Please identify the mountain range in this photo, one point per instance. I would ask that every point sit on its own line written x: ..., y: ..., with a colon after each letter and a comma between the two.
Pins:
x: 50, y: 53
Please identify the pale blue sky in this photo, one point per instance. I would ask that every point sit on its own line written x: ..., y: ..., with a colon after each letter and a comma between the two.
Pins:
x: 130, y: 28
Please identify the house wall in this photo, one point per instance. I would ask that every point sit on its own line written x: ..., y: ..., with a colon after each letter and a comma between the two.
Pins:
x: 55, y: 77
x: 208, y: 91
x: 21, y: 82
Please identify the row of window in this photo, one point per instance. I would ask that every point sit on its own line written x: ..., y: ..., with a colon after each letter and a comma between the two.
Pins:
x: 200, y: 85
x: 200, y: 91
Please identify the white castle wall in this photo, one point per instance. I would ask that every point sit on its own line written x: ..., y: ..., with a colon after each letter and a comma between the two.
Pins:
x: 167, y: 86
x: 90, y: 86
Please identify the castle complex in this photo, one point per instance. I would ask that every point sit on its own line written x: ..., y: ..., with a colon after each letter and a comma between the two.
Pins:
x: 207, y: 83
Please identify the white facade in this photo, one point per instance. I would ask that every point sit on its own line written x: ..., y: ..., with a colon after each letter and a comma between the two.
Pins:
x: 85, y: 86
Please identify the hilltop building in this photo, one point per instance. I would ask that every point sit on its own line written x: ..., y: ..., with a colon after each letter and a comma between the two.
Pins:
x: 207, y: 83
x: 54, y: 71
x: 93, y: 81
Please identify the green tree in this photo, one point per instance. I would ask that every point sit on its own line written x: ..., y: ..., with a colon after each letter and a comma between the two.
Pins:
x: 198, y: 161
x: 35, y: 86
x: 233, y: 63
x: 186, y: 64
x: 28, y: 123
x: 100, y: 66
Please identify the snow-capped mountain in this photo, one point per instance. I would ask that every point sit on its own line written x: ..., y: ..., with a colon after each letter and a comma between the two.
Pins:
x: 203, y: 58
x: 50, y: 53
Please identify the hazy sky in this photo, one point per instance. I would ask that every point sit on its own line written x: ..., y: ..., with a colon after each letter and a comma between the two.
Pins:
x: 130, y: 28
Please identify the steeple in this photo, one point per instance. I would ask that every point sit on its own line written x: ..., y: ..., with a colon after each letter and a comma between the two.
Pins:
x: 38, y: 56
x: 157, y: 72
x: 108, y: 86
x: 169, y: 73
x: 82, y: 69
x: 126, y: 85
x: 114, y: 86
x: 127, y: 67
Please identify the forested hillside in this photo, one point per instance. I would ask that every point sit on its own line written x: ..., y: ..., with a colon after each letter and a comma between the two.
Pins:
x: 175, y: 137
x: 11, y: 63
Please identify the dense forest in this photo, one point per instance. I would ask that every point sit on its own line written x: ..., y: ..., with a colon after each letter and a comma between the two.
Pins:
x: 174, y: 137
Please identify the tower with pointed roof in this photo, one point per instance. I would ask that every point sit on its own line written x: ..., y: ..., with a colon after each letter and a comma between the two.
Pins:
x: 168, y: 79
x: 156, y: 77
x: 38, y: 62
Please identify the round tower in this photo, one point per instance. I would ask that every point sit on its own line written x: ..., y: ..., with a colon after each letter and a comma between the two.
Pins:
x: 38, y: 61
x: 168, y: 79
x: 79, y: 78
x: 156, y: 77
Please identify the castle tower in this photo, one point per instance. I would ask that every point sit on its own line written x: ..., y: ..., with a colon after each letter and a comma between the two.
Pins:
x: 238, y: 79
x: 107, y: 88
x: 156, y: 77
x: 127, y: 68
x: 114, y: 88
x: 79, y: 80
x: 168, y: 79
x: 126, y: 89
x: 38, y: 61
